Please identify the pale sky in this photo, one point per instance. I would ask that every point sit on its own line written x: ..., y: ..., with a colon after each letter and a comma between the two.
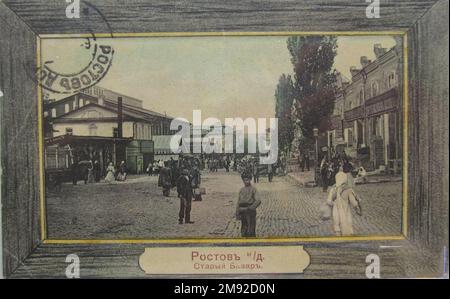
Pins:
x: 231, y: 76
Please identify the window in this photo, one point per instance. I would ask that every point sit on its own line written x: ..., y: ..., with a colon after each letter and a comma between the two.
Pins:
x: 92, y: 130
x: 374, y: 89
x: 145, y: 132
x: 350, y: 137
x: 391, y: 80
x: 361, y: 96
x: 116, y: 132
x: 53, y: 112
x: 66, y: 108
x: 69, y: 131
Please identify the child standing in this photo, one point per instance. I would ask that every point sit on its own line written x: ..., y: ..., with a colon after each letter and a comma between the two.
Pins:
x: 246, y: 207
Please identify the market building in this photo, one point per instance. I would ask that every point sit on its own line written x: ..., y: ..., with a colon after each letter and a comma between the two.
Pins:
x: 367, y: 120
x: 100, y: 125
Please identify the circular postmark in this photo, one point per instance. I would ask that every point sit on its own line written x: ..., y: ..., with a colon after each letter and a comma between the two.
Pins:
x: 68, y: 83
x: 100, y: 52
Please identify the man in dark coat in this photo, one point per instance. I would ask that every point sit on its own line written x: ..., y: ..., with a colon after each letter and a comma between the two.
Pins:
x: 184, y: 189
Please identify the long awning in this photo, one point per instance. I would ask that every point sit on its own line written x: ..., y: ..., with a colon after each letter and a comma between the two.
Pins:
x: 72, y: 139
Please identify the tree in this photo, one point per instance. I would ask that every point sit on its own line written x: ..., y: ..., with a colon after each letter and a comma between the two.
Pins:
x: 313, y: 59
x: 284, y: 97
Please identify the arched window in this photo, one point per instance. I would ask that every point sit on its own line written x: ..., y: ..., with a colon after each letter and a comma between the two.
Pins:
x: 92, y: 130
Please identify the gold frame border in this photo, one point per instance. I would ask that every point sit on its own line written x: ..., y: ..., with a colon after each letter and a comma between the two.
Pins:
x: 404, y: 224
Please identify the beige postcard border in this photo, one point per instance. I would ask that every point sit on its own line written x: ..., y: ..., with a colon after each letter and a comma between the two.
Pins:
x: 42, y: 202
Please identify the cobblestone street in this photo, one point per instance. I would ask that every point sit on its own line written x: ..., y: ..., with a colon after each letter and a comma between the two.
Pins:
x: 136, y: 209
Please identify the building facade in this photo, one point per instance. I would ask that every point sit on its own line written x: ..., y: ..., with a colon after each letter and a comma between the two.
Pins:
x: 367, y: 120
x: 100, y: 125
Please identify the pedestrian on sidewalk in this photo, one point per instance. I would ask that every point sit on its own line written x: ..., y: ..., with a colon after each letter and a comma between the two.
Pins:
x: 246, y: 207
x: 184, y: 189
x: 325, y: 173
x: 342, y: 199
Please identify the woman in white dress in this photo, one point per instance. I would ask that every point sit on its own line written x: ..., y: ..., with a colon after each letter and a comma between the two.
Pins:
x: 343, y: 199
x: 110, y: 173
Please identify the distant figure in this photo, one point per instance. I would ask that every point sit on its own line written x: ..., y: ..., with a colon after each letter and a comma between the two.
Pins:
x: 270, y: 172
x: 232, y: 164
x: 324, y: 173
x: 255, y: 172
x: 175, y: 173
x: 196, y: 181
x: 90, y: 178
x: 305, y: 161
x: 150, y: 169
x: 342, y: 199
x: 110, y: 173
x: 184, y: 189
x: 247, y: 204
x: 155, y: 168
x: 74, y: 171
x: 122, y: 173
x: 97, y: 171
x: 361, y: 172
x: 165, y: 180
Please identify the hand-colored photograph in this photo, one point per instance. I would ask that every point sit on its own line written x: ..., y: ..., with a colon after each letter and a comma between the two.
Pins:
x: 117, y: 167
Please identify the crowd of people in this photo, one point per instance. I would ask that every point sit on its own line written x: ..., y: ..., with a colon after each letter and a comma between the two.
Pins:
x: 90, y: 172
x: 330, y: 167
x: 184, y: 174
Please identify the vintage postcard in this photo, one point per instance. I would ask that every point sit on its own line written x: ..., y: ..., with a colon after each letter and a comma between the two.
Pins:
x: 222, y: 136
x: 229, y: 152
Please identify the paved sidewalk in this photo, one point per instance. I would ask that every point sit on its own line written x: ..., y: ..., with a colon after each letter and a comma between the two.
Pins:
x: 306, y: 179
